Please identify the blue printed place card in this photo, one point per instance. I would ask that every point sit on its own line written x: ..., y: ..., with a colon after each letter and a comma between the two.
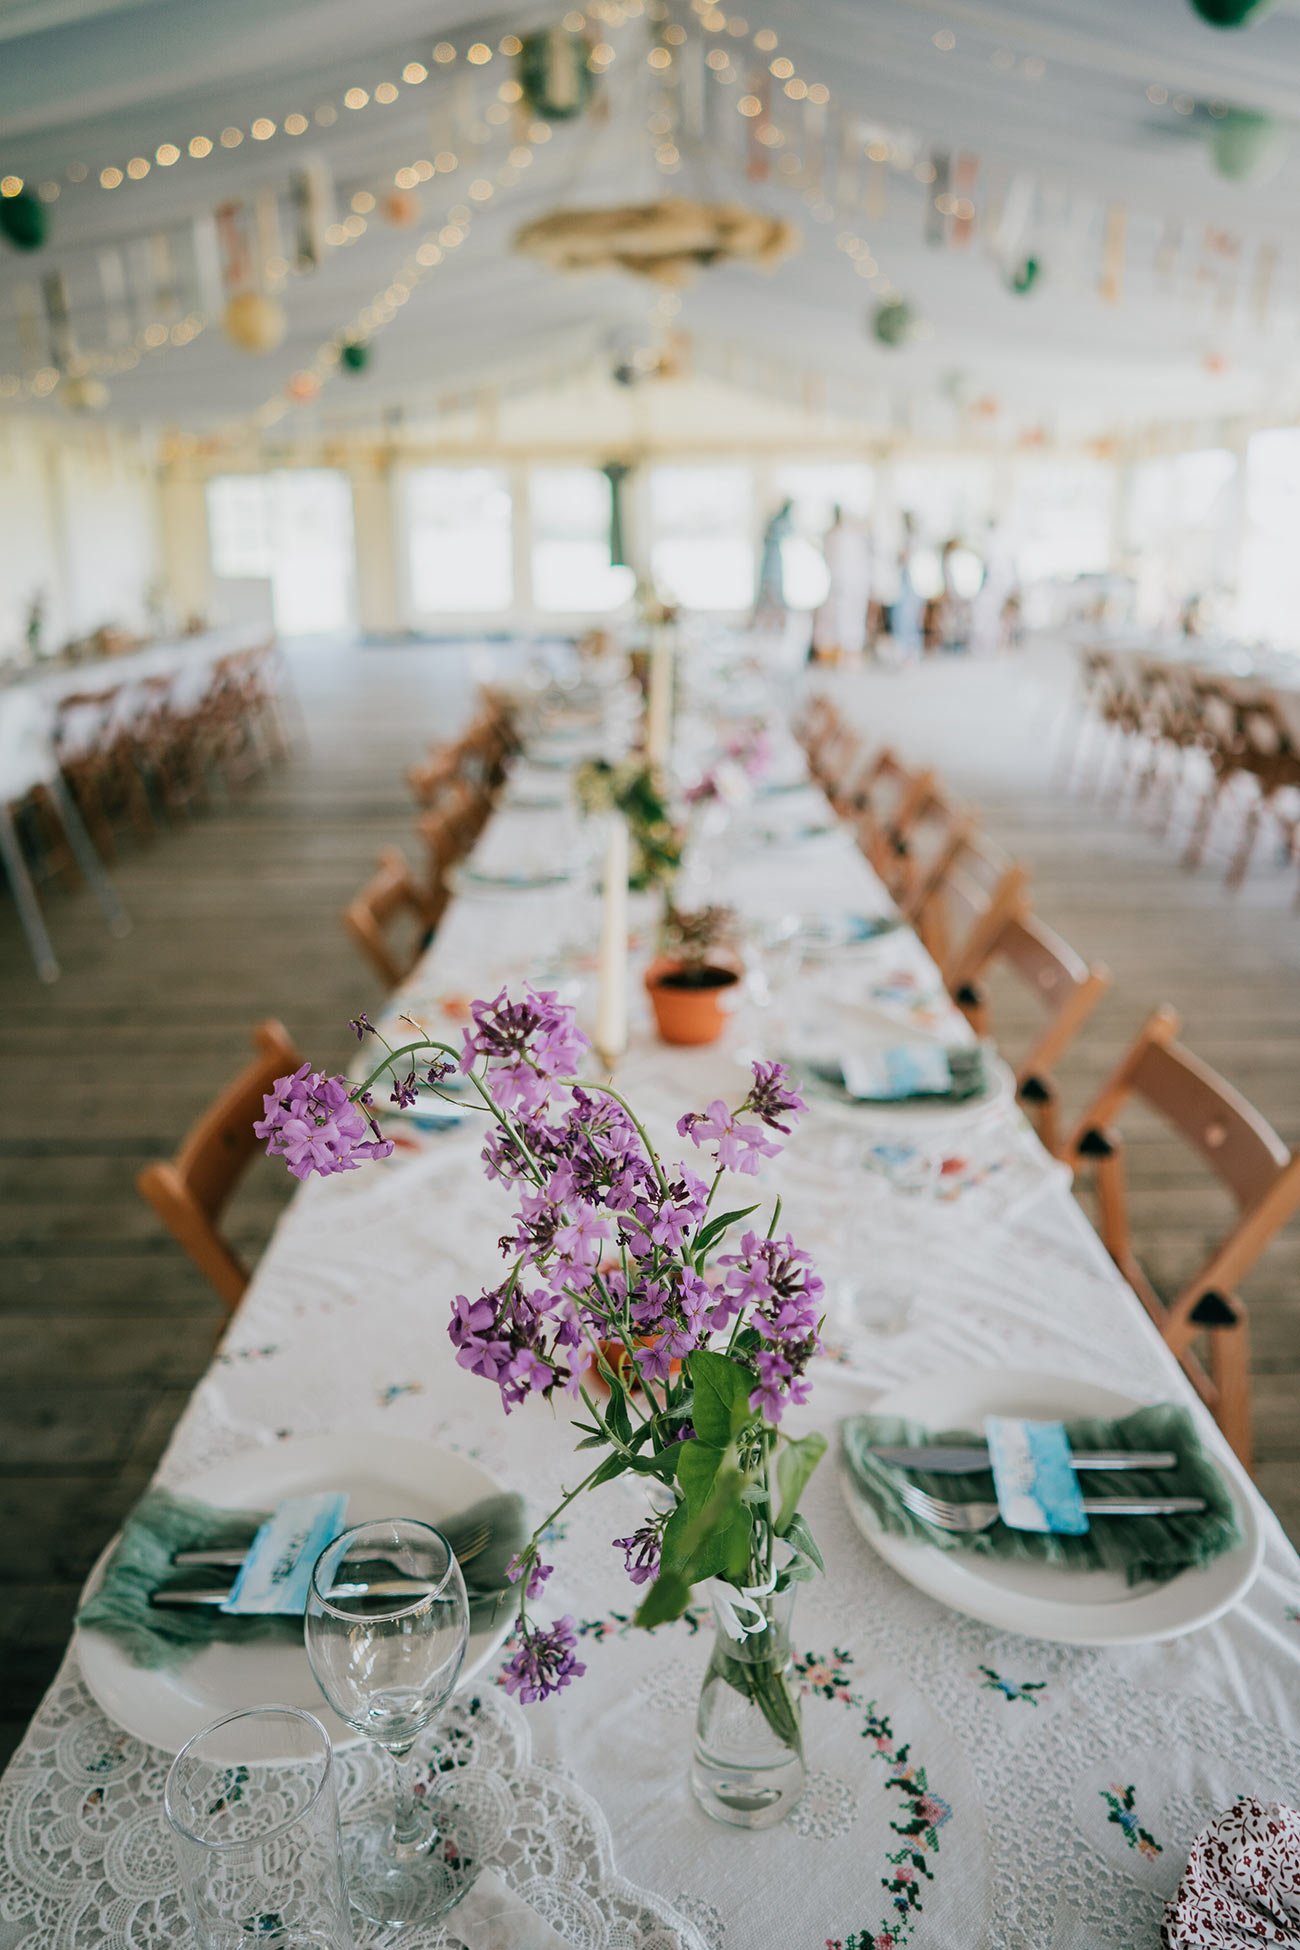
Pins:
x: 276, y: 1574
x: 1033, y: 1476
x: 904, y: 1070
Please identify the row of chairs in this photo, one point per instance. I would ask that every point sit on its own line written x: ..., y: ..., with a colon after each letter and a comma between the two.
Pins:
x: 455, y: 787
x: 392, y: 918
x: 1160, y: 735
x: 972, y: 907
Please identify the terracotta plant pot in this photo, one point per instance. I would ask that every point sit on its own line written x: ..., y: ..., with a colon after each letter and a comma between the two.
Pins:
x: 617, y: 1357
x: 688, y: 1012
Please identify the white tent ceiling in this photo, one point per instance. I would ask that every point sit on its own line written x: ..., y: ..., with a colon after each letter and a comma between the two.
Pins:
x: 1057, y: 93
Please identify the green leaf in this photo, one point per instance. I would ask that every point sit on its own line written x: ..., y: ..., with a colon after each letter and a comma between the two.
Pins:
x: 713, y: 1231
x: 593, y: 1442
x: 665, y: 1600
x: 697, y: 1469
x: 722, y: 1390
x: 616, y: 1414
x: 612, y: 1466
x: 803, y: 1540
x: 794, y: 1466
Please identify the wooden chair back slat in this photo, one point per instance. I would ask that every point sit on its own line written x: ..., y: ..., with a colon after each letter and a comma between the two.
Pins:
x: 190, y: 1191
x: 388, y: 896
x: 1245, y: 1155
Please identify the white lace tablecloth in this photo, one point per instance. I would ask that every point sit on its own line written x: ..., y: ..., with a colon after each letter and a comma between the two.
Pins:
x: 967, y: 1787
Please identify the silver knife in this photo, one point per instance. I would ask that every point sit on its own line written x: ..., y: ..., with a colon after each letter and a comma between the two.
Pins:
x: 376, y: 1588
x: 945, y: 1461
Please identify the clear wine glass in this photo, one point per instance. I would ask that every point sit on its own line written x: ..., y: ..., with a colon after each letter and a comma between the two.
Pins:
x: 387, y: 1622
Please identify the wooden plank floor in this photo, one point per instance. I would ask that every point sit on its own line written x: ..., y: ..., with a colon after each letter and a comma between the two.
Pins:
x: 104, y: 1328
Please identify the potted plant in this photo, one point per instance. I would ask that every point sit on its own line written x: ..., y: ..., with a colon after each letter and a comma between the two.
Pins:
x: 693, y: 971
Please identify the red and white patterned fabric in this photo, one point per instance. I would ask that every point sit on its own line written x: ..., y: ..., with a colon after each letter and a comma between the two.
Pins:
x: 1242, y: 1884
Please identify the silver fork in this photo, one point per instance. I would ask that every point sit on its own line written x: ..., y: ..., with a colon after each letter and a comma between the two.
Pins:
x: 473, y: 1546
x: 967, y: 1518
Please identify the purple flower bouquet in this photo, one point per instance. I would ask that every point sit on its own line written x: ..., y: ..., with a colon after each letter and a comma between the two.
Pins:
x: 611, y: 1250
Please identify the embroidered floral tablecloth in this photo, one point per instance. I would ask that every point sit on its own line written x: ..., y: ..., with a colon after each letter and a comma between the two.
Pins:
x: 967, y: 1787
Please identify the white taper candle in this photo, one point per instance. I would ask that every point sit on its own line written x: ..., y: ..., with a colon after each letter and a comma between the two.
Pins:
x: 611, y: 1012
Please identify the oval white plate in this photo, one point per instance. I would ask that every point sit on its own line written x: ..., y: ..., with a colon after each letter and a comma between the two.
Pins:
x: 384, y: 1476
x: 1040, y: 1600
x: 998, y: 1096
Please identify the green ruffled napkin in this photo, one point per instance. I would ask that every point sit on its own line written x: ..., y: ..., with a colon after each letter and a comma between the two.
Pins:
x: 1143, y: 1548
x: 162, y: 1523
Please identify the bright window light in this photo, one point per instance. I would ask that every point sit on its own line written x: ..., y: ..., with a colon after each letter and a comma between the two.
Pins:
x: 459, y: 540
x: 1268, y: 608
x: 293, y: 527
x: 702, y: 545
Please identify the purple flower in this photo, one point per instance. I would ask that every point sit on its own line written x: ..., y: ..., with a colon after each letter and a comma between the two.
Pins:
x: 361, y: 1026
x: 405, y: 1090
x: 771, y: 1096
x: 312, y: 1122
x: 736, y: 1146
x: 544, y: 1662
x: 537, y: 1574
x: 641, y: 1552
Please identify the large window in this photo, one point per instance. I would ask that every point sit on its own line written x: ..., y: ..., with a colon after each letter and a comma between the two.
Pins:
x: 702, y: 547
x: 1061, y: 518
x: 1179, y: 524
x: 1269, y: 584
x: 458, y: 539
x: 570, y: 510
x: 293, y: 527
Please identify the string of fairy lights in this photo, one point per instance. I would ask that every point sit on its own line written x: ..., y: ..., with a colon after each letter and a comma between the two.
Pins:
x: 87, y: 370
x: 442, y: 59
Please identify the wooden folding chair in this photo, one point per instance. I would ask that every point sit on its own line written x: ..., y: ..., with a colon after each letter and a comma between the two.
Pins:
x: 389, y: 897
x: 435, y: 774
x: 446, y: 834
x: 1247, y: 1157
x: 190, y: 1191
x: 1057, y: 978
x: 885, y: 801
x: 961, y: 902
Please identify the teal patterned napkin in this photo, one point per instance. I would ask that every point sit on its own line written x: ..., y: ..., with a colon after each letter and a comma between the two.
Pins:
x: 163, y: 1523
x: 1143, y: 1548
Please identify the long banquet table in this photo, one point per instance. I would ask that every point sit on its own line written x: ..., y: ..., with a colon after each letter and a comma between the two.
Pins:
x: 1060, y: 1787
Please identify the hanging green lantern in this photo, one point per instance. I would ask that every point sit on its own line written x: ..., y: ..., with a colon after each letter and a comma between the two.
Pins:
x: 24, y: 220
x: 552, y: 71
x: 1025, y: 275
x: 1231, y: 13
x: 355, y: 356
x: 893, y: 322
x: 1248, y: 145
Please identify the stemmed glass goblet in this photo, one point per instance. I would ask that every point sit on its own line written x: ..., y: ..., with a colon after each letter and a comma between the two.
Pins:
x: 387, y: 1621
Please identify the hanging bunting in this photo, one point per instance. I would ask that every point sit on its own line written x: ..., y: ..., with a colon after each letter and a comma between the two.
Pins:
x: 873, y: 190
x: 1261, y: 285
x: 963, y: 216
x: 271, y: 260
x: 58, y: 320
x: 162, y: 268
x: 311, y: 198
x: 850, y: 148
x: 934, y: 217
x: 232, y: 239
x: 1111, y: 285
x: 1013, y: 218
x: 814, y: 148
x: 1171, y: 240
x: 690, y: 64
x: 205, y: 249
x: 27, y: 305
x: 112, y: 282
x: 139, y: 281
x: 758, y: 161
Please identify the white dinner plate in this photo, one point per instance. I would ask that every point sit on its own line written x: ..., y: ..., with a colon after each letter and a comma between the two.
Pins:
x: 999, y: 1093
x: 384, y: 1476
x: 1045, y: 1601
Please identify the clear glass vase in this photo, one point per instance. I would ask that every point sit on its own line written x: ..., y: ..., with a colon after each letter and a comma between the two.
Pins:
x: 748, y: 1767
